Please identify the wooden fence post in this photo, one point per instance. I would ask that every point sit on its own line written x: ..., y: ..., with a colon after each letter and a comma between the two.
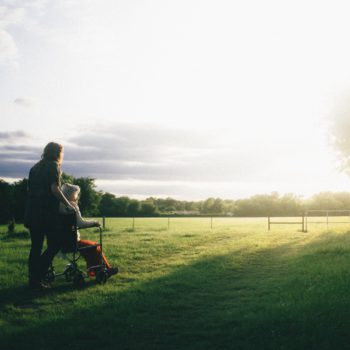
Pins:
x: 268, y: 223
x: 104, y: 223
x: 133, y: 224
x: 303, y: 224
x: 306, y: 214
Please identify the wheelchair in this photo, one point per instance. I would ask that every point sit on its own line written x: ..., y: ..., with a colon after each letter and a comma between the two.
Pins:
x: 69, y: 247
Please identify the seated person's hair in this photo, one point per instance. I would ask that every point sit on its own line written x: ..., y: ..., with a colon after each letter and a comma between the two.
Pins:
x: 69, y: 189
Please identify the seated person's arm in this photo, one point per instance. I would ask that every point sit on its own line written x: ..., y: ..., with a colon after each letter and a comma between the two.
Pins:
x: 82, y: 223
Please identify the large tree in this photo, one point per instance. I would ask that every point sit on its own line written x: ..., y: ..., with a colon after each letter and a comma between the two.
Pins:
x: 340, y: 134
x: 107, y: 205
x: 89, y: 198
x: 19, y: 199
x: 5, y: 202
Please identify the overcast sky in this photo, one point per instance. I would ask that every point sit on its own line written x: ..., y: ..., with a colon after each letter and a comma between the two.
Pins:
x: 188, y: 99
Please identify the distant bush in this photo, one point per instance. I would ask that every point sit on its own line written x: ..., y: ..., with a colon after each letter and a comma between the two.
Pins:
x: 11, y: 227
x: 13, y: 198
x: 15, y: 235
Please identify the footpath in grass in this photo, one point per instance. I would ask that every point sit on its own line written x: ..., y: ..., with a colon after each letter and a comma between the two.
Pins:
x: 234, y: 287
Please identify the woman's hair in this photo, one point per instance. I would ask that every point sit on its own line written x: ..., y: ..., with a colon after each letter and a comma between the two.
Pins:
x: 53, y: 152
x: 68, y: 190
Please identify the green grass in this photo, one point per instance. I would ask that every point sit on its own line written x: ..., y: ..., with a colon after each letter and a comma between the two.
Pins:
x: 236, y: 286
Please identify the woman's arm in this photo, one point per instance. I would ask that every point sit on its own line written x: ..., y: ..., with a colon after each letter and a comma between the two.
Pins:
x: 55, y: 189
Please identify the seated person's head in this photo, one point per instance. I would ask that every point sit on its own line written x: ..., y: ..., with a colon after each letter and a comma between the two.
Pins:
x: 71, y: 192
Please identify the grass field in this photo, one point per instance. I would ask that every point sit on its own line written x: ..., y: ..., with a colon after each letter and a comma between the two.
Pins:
x: 236, y: 286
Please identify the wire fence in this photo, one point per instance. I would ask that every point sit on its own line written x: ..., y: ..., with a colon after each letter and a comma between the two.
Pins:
x: 168, y: 222
x: 302, y: 222
x: 316, y: 216
x: 310, y: 217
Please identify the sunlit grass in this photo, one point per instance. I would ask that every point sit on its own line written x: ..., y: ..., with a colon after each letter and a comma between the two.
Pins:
x: 236, y: 285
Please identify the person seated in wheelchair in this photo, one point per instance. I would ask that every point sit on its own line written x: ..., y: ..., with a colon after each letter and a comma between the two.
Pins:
x: 91, y: 256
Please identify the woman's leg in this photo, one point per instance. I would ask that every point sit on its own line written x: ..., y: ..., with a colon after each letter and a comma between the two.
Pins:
x: 37, y: 239
x: 54, y: 244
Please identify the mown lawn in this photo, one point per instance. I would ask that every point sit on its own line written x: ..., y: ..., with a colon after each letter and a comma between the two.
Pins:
x: 236, y: 286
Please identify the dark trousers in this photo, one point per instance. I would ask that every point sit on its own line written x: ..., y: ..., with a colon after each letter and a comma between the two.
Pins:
x: 39, y: 263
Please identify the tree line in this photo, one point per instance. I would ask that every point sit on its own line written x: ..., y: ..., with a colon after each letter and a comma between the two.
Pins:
x: 92, y: 203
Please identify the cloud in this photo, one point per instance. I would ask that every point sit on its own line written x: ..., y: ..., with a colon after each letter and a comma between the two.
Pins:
x: 138, y: 152
x: 36, y: 4
x: 13, y: 136
x: 23, y: 102
x: 153, y: 153
x: 150, y: 159
x: 16, y: 157
x: 16, y: 14
x: 14, y: 168
x: 159, y: 153
x: 8, y: 49
x: 11, y: 15
x: 177, y: 189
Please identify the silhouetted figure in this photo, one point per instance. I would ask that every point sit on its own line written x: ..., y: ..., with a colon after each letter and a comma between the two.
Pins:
x: 42, y: 217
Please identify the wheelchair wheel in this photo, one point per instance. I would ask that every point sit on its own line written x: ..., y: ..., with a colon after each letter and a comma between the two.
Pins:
x: 50, y: 276
x: 101, y: 277
x: 69, y: 273
x: 78, y: 280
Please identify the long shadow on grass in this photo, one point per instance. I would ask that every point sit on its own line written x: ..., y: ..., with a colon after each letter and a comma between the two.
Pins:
x: 271, y: 300
x: 23, y: 297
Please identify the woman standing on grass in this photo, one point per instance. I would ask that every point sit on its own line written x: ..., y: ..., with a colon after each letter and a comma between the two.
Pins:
x: 44, y: 197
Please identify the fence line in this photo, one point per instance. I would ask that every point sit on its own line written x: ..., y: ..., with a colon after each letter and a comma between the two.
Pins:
x: 302, y: 223
x: 133, y: 224
x: 327, y: 216
x: 304, y: 219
